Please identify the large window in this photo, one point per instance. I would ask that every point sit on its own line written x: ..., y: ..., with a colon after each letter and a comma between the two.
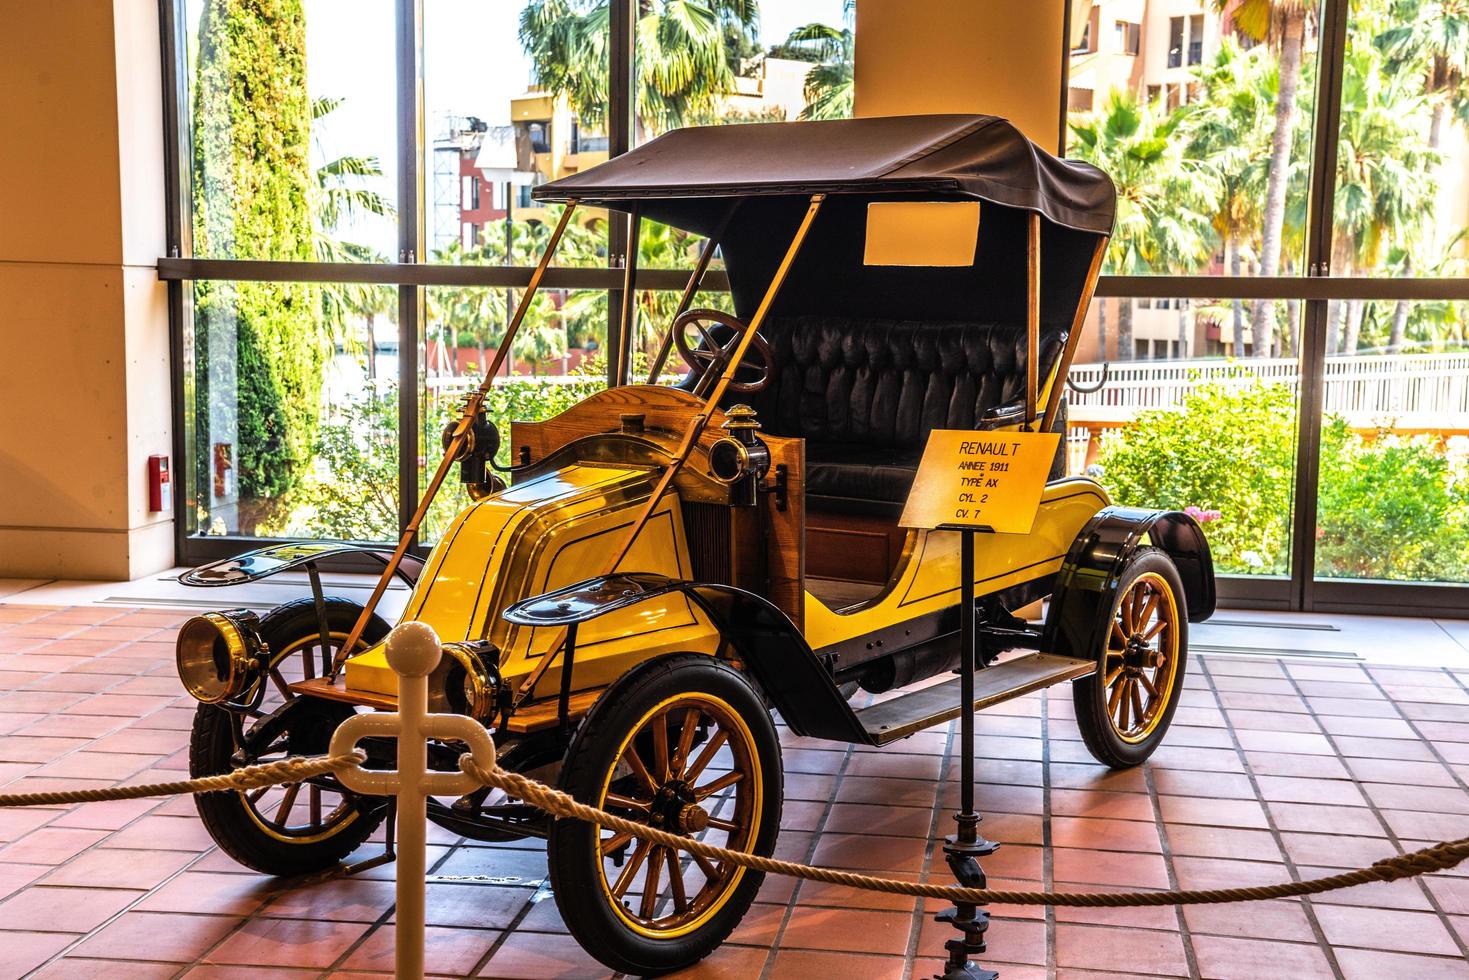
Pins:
x: 1284, y: 308
x: 351, y: 224
x: 1179, y: 425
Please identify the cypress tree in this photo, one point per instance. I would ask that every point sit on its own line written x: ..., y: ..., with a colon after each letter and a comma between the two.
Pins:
x: 259, y: 347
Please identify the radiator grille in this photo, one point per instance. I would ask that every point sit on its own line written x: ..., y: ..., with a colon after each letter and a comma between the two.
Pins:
x: 707, y: 529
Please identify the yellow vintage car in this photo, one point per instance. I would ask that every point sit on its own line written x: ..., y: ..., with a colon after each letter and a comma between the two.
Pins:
x: 672, y: 566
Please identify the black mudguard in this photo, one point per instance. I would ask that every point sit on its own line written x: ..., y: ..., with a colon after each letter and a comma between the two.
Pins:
x: 1081, y: 606
x: 764, y: 639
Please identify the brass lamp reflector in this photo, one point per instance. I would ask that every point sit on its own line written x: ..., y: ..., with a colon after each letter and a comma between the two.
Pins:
x: 466, y: 680
x: 219, y: 655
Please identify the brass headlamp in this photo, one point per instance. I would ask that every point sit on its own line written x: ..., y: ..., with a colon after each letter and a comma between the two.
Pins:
x: 467, y: 680
x: 740, y: 459
x: 221, y: 656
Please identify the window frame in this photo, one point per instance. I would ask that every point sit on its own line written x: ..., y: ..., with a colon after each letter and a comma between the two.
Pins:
x: 1315, y: 286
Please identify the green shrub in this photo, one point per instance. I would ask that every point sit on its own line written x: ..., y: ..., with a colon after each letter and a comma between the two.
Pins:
x: 1229, y: 449
x: 352, y: 491
x: 1389, y: 508
x: 259, y: 350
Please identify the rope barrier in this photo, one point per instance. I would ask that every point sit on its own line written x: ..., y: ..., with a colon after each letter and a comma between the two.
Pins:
x: 1439, y: 857
x: 290, y: 770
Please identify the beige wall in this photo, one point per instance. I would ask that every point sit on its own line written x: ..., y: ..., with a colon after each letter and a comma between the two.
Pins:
x: 990, y: 56
x: 84, y: 358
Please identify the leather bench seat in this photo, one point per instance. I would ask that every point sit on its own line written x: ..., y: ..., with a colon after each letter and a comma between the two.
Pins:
x: 849, y: 473
x: 864, y: 394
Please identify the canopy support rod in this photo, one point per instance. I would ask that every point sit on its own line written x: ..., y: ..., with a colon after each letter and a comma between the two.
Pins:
x: 1032, y: 318
x: 695, y: 280
x: 1073, y: 339
x: 627, y: 316
x: 456, y: 443
x: 692, y: 432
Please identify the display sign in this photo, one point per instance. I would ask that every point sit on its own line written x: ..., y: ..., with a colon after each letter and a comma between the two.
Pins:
x: 985, y: 480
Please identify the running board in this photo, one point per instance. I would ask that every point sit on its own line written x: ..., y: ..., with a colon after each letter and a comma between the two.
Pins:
x: 902, y: 716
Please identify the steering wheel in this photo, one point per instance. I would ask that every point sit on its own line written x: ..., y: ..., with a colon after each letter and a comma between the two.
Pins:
x: 709, y: 357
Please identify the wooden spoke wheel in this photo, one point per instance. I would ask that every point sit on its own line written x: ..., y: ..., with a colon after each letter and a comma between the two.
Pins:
x: 1124, y: 709
x: 296, y: 827
x: 683, y: 744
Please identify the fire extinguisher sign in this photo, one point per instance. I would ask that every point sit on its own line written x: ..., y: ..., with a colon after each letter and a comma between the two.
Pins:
x: 160, y: 488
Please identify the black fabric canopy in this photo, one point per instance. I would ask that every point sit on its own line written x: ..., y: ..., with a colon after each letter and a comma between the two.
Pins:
x: 673, y: 178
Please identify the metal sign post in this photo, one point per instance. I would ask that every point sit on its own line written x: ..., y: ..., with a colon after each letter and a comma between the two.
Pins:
x: 964, y: 848
x: 970, y: 482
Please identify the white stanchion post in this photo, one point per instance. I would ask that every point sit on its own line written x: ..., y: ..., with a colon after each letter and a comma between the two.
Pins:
x: 413, y: 651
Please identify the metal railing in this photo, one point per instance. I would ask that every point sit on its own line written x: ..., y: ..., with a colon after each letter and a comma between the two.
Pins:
x: 1359, y: 385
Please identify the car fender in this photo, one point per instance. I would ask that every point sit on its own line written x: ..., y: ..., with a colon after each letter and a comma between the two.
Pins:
x: 763, y: 640
x: 265, y: 562
x: 1086, y: 586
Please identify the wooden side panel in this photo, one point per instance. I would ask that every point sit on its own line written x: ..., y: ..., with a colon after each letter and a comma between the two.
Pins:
x: 786, y: 538
x: 666, y: 409
x: 853, y: 548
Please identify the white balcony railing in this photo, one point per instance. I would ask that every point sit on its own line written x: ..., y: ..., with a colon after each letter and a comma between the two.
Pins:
x: 1358, y: 386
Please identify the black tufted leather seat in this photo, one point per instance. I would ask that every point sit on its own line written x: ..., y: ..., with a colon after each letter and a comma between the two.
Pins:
x: 864, y: 395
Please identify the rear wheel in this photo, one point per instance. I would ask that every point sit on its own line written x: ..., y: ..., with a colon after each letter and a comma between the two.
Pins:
x: 1124, y: 709
x: 685, y: 744
x: 301, y: 827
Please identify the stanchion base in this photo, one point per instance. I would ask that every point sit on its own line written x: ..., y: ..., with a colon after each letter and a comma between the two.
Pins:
x: 969, y: 971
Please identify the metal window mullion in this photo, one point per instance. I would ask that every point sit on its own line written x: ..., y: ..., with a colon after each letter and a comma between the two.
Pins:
x: 1331, y: 53
x: 620, y: 129
x: 1065, y: 107
x: 409, y: 62
x: 178, y: 222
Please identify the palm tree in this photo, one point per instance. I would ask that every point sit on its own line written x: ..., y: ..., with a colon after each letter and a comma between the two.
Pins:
x: 1232, y: 133
x: 1283, y: 24
x: 338, y: 198
x: 1383, y: 189
x: 1164, y: 200
x: 682, y: 65
x: 1431, y: 37
x: 828, y: 89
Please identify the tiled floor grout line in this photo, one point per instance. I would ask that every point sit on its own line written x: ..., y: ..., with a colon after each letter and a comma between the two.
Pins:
x: 1308, y: 910
x: 930, y: 851
x: 167, y: 715
x: 1453, y: 774
x: 382, y: 920
x: 1048, y: 859
x: 1452, y: 638
x: 836, y: 785
x: 1190, y: 957
x: 131, y: 906
x: 145, y: 893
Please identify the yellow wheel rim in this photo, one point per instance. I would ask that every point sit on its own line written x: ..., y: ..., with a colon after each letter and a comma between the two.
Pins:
x: 690, y: 765
x: 1140, y: 666
x: 286, y: 813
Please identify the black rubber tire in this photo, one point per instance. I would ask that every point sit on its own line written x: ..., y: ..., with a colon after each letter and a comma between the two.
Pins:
x: 1090, y: 696
x: 572, y: 853
x: 211, y: 747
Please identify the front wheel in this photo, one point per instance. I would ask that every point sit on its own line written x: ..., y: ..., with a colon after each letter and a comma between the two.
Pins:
x: 294, y: 828
x: 1124, y: 709
x: 685, y: 744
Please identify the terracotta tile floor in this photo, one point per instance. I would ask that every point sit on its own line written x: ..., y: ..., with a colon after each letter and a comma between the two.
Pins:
x: 1273, y: 770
